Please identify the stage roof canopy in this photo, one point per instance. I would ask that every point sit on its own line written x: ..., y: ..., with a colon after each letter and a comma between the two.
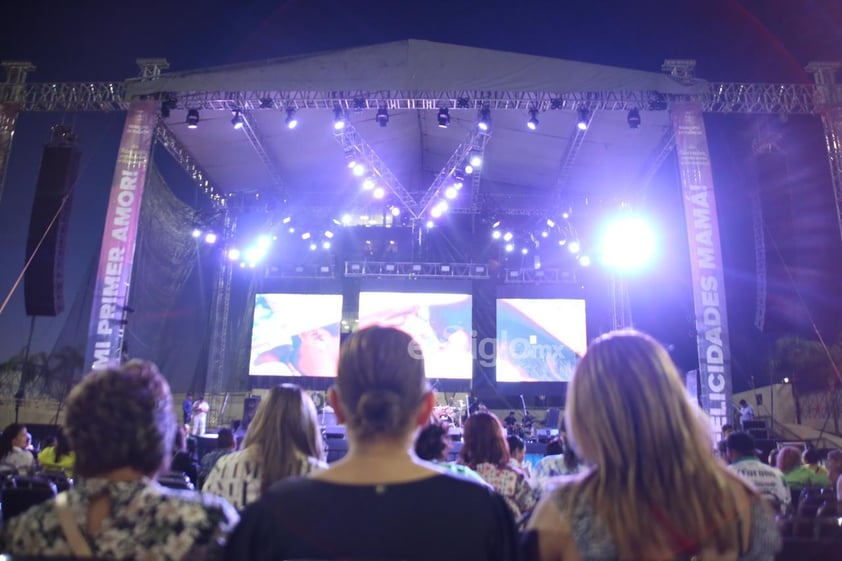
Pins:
x: 522, y: 169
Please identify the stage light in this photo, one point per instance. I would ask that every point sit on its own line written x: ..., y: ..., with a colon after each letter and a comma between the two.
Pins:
x: 443, y: 118
x: 550, y: 223
x: 574, y: 246
x: 329, y: 234
x: 565, y: 215
x: 233, y: 254
x: 628, y: 244
x: 507, y: 237
x: 313, y: 247
x: 291, y: 230
x: 496, y: 224
x: 562, y: 241
x: 469, y: 169
x: 368, y: 184
x: 436, y: 212
x: 358, y: 169
x: 524, y: 251
x: 346, y: 219
x: 338, y: 119
x: 395, y: 211
x: 510, y: 247
x: 286, y: 220
x: 532, y: 123
x: 442, y: 205
x: 291, y: 120
x: 633, y: 119
x: 264, y: 241
x: 196, y: 233
x: 192, y: 118
x: 254, y: 255
x: 545, y: 234
x: 382, y: 117
x: 585, y: 261
x: 458, y: 184
x: 237, y: 120
x: 475, y: 159
x: 305, y: 236
x: 379, y: 192
x: 582, y: 122
x: 210, y: 238
x: 429, y: 225
x: 536, y: 262
x: 496, y: 234
x: 484, y: 119
x: 451, y: 192
x: 325, y: 244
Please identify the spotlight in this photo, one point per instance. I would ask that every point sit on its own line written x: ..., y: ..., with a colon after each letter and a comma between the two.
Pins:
x: 451, y: 192
x: 358, y: 169
x: 368, y: 184
x: 192, y: 118
x: 233, y: 254
x: 633, y: 119
x: 475, y: 159
x: 379, y: 192
x: 253, y: 255
x: 524, y: 251
x: 237, y: 120
x: 585, y: 261
x: 628, y: 244
x: 496, y: 235
x: 545, y: 234
x: 313, y: 247
x: 305, y: 236
x: 338, y: 119
x: 196, y: 233
x: 532, y: 123
x: 264, y: 242
x: 291, y: 120
x: 395, y: 211
x: 346, y: 219
x: 436, y: 212
x: 565, y: 215
x: 550, y: 223
x: 329, y: 234
x: 496, y: 224
x: 291, y: 230
x: 443, y: 118
x: 510, y: 247
x: 382, y: 117
x: 287, y: 220
x: 574, y: 246
x: 430, y: 224
x: 582, y: 122
x: 507, y: 237
x: 469, y: 169
x: 326, y: 245
x: 484, y: 120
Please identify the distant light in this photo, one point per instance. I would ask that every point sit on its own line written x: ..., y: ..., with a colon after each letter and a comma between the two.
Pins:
x: 532, y: 123
x: 210, y: 238
x: 325, y: 244
x: 469, y: 169
x: 786, y: 379
x: 196, y: 233
x: 475, y: 159
x: 510, y: 247
x: 237, y: 121
x: 291, y: 230
x: 628, y: 244
x: 562, y: 241
x: 379, y: 192
x: 451, y: 192
x: 496, y: 224
x: 313, y: 247
x: 458, y: 184
x: 582, y: 122
x: 286, y: 220
x: 484, y: 119
x: 395, y: 211
x: 430, y: 224
x: 352, y: 162
x: 574, y: 247
x: 192, y: 118
x: 234, y: 254
x: 443, y: 118
x: 550, y: 223
x: 346, y: 219
x: 338, y: 119
x: 565, y: 215
x: 442, y: 205
x: 524, y: 251
x: 358, y: 169
x: 436, y: 212
x: 254, y: 255
x: 496, y: 234
x: 291, y: 120
x: 264, y: 242
x: 382, y: 117
x: 368, y: 184
x: 329, y: 234
x: 585, y: 261
x: 507, y: 237
x: 305, y: 236
x: 545, y: 234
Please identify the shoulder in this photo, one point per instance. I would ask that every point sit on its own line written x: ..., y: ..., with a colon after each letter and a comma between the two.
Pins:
x: 194, y: 507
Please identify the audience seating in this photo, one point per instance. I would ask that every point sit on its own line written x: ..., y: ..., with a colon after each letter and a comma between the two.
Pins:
x: 176, y: 480
x: 22, y: 492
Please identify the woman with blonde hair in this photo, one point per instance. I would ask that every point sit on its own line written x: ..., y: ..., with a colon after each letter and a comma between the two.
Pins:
x: 379, y: 501
x: 655, y: 490
x: 283, y: 440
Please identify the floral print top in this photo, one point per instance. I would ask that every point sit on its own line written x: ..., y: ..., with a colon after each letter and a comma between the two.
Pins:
x: 147, y: 522
x: 512, y: 484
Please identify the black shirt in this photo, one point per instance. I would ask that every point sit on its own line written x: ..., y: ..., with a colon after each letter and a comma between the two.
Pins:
x: 439, y: 517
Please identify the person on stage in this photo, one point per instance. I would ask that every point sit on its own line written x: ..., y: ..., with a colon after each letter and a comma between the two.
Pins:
x: 200, y: 416
x: 746, y: 413
x: 187, y: 409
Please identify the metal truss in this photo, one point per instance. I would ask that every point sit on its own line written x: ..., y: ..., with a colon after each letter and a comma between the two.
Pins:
x: 537, y: 276
x: 256, y: 139
x: 165, y: 137
x: 477, y: 175
x: 221, y: 312
x: 760, y: 98
x: 67, y: 97
x: 475, y: 141
x: 621, y: 317
x: 569, y: 158
x: 8, y: 118
x: 300, y: 272
x: 662, y: 152
x: 409, y: 270
x: 832, y: 122
x: 350, y: 139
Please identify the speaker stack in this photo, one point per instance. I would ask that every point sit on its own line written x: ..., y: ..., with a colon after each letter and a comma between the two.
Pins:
x: 43, y: 285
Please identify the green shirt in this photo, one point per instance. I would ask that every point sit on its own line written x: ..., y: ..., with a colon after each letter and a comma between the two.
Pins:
x: 802, y: 476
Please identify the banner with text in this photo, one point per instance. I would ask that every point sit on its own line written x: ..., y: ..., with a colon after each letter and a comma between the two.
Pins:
x: 705, y: 263
x: 116, y: 256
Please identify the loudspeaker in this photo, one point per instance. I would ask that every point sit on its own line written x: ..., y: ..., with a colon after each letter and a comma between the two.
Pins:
x: 249, y: 409
x: 43, y: 285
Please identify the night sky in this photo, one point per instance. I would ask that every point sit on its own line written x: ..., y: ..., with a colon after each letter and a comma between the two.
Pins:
x: 748, y: 41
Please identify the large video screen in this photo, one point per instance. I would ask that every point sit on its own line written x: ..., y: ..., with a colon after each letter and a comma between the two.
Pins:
x: 539, y: 340
x: 440, y: 323
x: 295, y: 335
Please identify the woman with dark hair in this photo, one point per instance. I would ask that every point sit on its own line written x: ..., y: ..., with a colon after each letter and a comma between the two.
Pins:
x: 377, y: 502
x: 486, y: 451
x: 183, y: 460
x: 283, y: 440
x: 117, y: 511
x: 58, y: 456
x: 796, y: 474
x: 433, y: 443
x: 13, y: 452
x: 563, y: 462
x: 656, y: 490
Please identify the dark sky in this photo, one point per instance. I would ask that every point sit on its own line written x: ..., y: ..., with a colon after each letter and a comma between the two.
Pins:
x: 749, y: 40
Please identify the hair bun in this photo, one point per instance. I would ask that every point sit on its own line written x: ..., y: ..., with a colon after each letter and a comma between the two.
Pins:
x: 379, y: 412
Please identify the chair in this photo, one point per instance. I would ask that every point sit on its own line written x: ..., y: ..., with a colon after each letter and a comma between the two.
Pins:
x: 176, y: 480
x: 61, y: 480
x: 21, y: 493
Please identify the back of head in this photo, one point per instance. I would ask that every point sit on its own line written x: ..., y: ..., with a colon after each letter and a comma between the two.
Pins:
x: 484, y: 441
x: 431, y: 443
x: 285, y: 426
x: 630, y: 417
x: 225, y: 439
x: 9, y: 433
x: 554, y: 447
x: 811, y: 456
x: 741, y: 443
x: 380, y: 383
x: 121, y: 418
x: 515, y: 443
x: 789, y: 458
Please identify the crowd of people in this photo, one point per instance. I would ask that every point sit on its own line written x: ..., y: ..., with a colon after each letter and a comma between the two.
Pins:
x: 634, y: 477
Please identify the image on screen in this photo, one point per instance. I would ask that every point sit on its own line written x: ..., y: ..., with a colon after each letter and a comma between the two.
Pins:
x: 539, y: 340
x: 295, y: 335
x: 440, y: 323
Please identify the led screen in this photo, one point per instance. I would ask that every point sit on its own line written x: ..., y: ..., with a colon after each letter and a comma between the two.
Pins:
x: 539, y: 340
x: 440, y: 323
x: 295, y: 335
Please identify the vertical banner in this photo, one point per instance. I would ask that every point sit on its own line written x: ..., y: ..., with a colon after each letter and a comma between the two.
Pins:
x: 705, y: 264
x: 8, y: 118
x: 116, y: 255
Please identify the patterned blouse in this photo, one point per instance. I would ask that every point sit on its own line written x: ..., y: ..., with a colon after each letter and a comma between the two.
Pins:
x: 512, y: 484
x: 550, y: 467
x: 236, y: 477
x: 147, y: 522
